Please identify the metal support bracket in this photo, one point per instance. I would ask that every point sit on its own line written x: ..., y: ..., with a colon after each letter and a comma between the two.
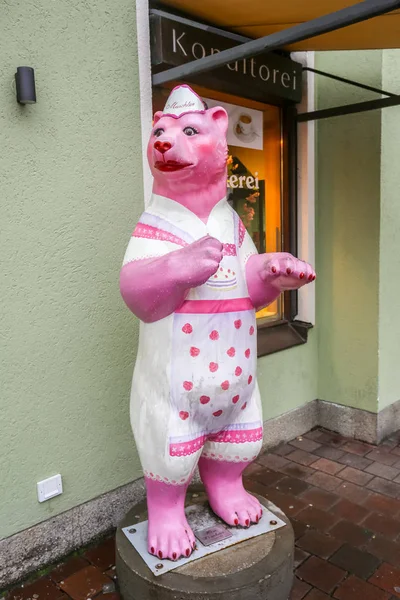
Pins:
x: 349, y: 109
x: 363, y: 86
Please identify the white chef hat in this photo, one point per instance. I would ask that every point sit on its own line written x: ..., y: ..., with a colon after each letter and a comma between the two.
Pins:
x: 183, y: 100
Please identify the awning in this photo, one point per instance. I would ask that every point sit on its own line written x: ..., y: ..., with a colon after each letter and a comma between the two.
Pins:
x: 344, y: 18
x: 258, y: 18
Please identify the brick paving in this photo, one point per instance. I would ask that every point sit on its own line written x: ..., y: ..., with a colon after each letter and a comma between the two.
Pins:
x: 343, y: 499
x: 345, y: 511
x: 87, y: 576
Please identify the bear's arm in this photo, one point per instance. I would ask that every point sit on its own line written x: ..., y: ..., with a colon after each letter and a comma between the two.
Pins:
x: 261, y: 292
x: 148, y: 281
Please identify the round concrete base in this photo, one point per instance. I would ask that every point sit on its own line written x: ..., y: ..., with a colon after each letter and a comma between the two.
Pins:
x: 258, y: 569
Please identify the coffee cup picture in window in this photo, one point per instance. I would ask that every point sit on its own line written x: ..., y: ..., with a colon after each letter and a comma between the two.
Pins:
x: 244, y: 128
x: 245, y: 125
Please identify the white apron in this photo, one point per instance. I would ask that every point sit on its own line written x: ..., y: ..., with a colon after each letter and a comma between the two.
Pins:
x: 206, y: 396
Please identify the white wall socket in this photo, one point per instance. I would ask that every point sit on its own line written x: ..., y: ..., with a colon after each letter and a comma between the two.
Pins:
x: 49, y: 488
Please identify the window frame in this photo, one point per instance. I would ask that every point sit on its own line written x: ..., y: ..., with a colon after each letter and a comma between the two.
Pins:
x: 286, y: 332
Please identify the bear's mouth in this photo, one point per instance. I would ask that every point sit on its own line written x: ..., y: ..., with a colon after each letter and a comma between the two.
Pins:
x: 170, y: 165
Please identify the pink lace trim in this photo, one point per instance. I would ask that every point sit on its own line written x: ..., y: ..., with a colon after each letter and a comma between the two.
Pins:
x: 237, y: 437
x: 153, y: 477
x: 228, y: 250
x: 228, y: 457
x: 142, y: 230
x: 187, y: 448
x: 153, y: 233
x: 247, y: 256
x: 229, y: 436
x: 242, y: 233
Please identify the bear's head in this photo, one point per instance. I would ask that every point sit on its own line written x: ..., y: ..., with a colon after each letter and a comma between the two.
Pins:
x: 187, y: 150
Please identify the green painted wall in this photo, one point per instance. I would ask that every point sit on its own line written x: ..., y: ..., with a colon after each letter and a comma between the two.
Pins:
x: 289, y: 379
x: 71, y: 189
x: 347, y: 228
x: 389, y: 291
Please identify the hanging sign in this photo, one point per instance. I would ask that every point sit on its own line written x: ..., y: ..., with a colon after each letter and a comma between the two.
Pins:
x: 266, y: 77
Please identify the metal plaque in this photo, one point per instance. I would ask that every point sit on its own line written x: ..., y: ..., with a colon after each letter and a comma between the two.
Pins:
x: 212, y: 535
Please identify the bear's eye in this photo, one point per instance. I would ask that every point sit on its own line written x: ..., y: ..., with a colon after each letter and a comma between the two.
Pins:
x: 158, y: 132
x: 190, y: 131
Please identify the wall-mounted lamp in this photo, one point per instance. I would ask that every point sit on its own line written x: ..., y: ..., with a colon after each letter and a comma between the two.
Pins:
x: 25, y: 84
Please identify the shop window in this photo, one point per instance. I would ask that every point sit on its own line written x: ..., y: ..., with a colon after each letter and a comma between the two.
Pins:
x: 258, y: 188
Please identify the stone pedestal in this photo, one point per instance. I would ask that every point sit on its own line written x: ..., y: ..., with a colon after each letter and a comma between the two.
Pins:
x: 258, y: 569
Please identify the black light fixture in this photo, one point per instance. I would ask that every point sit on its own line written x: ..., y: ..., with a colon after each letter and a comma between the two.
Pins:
x: 25, y: 84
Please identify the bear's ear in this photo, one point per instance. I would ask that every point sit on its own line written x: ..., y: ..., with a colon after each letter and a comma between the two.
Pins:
x: 220, y: 117
x: 157, y: 116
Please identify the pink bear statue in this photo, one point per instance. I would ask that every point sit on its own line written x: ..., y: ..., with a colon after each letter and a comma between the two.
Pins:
x: 192, y: 275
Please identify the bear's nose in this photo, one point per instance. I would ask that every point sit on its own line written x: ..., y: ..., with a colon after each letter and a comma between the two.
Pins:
x: 162, y: 146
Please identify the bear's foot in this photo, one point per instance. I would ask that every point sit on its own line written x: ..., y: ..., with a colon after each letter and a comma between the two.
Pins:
x: 226, y: 494
x: 169, y: 534
x: 170, y: 537
x: 239, y: 508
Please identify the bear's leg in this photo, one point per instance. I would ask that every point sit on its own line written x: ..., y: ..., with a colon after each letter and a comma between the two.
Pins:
x: 222, y: 464
x: 169, y: 534
x: 226, y: 494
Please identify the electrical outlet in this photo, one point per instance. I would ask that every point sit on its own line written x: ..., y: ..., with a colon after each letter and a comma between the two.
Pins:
x: 49, y: 488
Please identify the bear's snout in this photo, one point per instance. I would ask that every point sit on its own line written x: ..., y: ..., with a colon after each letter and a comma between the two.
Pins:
x: 162, y: 146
